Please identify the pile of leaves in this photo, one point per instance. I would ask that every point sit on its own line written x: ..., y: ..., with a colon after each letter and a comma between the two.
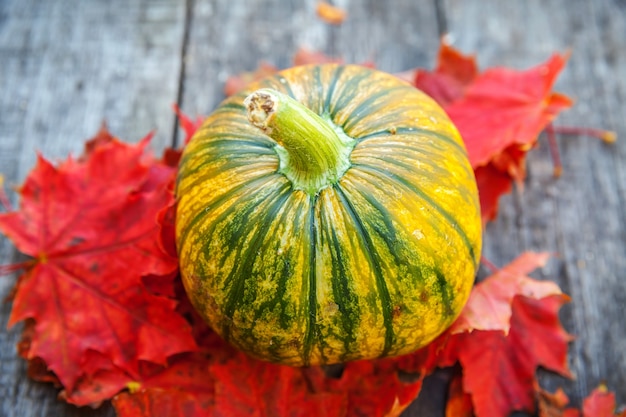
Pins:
x: 106, y: 318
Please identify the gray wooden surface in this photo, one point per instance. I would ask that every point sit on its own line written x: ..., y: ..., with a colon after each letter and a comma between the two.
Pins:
x: 66, y: 65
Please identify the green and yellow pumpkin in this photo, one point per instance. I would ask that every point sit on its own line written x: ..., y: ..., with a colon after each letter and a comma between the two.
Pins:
x: 330, y: 216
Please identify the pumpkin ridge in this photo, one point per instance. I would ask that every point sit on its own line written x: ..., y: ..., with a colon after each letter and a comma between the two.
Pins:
x: 234, y: 162
x: 284, y: 83
x: 244, y: 139
x: 343, y: 296
x: 367, y: 106
x: 281, y: 283
x: 390, y: 235
x: 454, y: 224
x: 241, y: 200
x: 231, y: 105
x: 372, y: 254
x: 331, y: 89
x: 348, y: 94
x: 247, y: 255
x: 197, y: 218
x: 446, y: 294
x: 408, y: 131
x: 389, y: 161
x: 319, y: 94
x: 309, y: 338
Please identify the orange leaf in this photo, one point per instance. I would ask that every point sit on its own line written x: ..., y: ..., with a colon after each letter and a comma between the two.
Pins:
x: 330, y: 14
x: 551, y: 405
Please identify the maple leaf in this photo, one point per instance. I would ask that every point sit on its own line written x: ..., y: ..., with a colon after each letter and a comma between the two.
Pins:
x: 503, y: 107
x: 238, y: 385
x: 181, y: 389
x: 374, y: 388
x: 101, y: 380
x: 90, y: 226
x: 452, y: 75
x: 489, y: 306
x: 536, y: 338
x: 601, y: 403
x: 492, y: 184
x: 283, y: 391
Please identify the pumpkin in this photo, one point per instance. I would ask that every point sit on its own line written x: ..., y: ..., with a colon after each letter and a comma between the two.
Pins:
x: 330, y: 216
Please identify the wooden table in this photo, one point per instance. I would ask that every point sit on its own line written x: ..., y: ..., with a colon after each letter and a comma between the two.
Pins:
x: 66, y: 65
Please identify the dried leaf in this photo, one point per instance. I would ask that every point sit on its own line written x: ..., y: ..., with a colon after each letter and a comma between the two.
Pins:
x: 330, y: 14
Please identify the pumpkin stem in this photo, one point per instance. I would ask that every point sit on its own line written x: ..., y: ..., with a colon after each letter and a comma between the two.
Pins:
x: 314, y: 153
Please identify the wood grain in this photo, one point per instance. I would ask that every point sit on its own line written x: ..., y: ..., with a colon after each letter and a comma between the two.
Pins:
x: 67, y: 65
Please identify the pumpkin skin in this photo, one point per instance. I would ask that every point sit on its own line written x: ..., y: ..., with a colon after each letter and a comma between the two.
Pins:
x: 377, y: 264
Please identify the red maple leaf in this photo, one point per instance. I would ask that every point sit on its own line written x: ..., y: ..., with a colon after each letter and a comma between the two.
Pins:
x: 499, y: 369
x: 90, y: 226
x: 504, y: 107
x: 243, y: 386
x: 601, y: 403
x: 452, y: 75
x: 181, y: 389
x: 499, y: 113
x: 248, y: 387
x: 490, y: 303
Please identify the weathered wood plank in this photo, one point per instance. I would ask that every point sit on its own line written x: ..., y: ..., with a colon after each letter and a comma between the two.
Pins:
x: 579, y: 216
x: 64, y: 67
x: 398, y: 35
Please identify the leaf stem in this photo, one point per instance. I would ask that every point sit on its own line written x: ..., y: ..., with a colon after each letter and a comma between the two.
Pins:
x: 607, y: 136
x: 4, y: 199
x: 553, y: 146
